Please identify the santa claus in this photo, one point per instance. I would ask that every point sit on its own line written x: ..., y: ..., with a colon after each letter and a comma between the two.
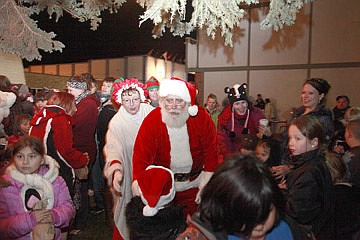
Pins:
x: 180, y: 136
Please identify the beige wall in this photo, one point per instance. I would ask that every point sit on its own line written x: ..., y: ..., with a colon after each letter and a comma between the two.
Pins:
x: 277, y: 63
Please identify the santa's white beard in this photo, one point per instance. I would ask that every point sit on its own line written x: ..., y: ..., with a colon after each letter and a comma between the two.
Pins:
x: 174, y: 118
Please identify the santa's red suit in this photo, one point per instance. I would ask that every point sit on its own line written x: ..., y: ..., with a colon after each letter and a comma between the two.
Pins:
x: 191, y: 152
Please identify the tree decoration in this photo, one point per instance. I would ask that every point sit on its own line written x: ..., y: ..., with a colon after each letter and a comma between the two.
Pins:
x: 20, y: 34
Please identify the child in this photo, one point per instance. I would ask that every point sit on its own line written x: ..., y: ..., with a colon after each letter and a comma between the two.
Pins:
x: 241, y: 201
x: 309, y: 184
x: 21, y: 128
x: 267, y: 152
x: 34, y: 181
x: 248, y: 144
x: 347, y: 215
x: 151, y: 216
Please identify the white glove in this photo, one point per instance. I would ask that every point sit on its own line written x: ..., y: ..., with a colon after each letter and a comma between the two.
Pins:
x: 116, y: 184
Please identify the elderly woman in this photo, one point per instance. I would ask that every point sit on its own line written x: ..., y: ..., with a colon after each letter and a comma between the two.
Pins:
x: 239, y: 117
x: 118, y: 149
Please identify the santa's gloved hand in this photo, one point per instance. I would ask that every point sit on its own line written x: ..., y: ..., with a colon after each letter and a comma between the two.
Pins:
x: 117, y: 179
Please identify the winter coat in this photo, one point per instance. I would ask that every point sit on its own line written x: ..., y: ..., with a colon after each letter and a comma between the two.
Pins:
x: 54, y: 127
x: 16, y: 222
x: 84, y: 128
x: 230, y: 145
x: 310, y: 199
x: 324, y: 116
x: 167, y: 224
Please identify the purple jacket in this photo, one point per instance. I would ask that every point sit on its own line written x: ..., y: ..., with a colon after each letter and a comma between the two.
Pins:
x: 17, y: 223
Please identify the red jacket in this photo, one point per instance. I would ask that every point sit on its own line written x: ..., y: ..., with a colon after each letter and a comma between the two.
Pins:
x: 85, y: 120
x: 54, y: 119
x: 152, y: 145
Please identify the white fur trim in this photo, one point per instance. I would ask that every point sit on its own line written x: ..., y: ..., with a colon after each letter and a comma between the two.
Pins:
x: 174, y: 87
x: 193, y: 110
x: 149, y: 211
x: 43, y: 184
x: 204, y: 178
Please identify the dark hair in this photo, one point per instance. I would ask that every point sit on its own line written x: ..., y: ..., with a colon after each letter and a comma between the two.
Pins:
x: 19, y: 119
x: 239, y: 196
x: 267, y: 100
x: 343, y: 96
x: 129, y: 92
x: 321, y: 85
x: 44, y: 94
x: 28, y: 141
x: 5, y: 84
x: 311, y: 128
x: 212, y: 96
x: 109, y: 79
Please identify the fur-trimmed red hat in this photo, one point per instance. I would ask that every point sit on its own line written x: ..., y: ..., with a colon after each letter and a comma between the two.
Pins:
x: 156, y: 186
x: 121, y: 85
x: 152, y: 83
x: 179, y: 87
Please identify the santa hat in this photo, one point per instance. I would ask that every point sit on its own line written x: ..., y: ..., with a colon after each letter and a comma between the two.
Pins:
x: 181, y: 88
x: 237, y: 93
x: 152, y: 83
x: 156, y: 186
x: 122, y: 85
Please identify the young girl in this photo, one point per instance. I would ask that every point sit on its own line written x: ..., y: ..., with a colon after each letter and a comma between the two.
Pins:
x: 32, y: 179
x: 21, y: 128
x: 309, y: 186
x: 242, y: 202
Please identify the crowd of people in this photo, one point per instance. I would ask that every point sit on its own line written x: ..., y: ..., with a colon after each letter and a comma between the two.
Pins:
x: 163, y: 167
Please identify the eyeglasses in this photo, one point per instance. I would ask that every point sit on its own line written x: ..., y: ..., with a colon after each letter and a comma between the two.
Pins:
x: 128, y: 101
x: 171, y: 101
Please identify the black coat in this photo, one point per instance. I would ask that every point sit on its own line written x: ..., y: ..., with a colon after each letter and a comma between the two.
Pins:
x: 167, y: 224
x: 310, y: 199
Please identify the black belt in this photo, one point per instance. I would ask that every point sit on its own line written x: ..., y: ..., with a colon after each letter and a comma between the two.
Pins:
x: 183, y: 177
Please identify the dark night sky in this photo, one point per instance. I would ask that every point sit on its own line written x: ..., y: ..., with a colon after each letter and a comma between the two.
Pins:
x: 118, y: 35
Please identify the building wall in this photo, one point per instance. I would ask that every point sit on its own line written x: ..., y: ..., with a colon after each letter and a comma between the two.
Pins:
x: 12, y: 67
x: 322, y: 43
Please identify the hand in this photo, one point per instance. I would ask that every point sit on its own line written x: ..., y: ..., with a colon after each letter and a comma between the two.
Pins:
x: 198, y: 197
x: 265, y: 130
x: 87, y: 157
x: 339, y: 149
x: 116, y: 184
x: 282, y: 184
x: 43, y: 216
x: 280, y: 172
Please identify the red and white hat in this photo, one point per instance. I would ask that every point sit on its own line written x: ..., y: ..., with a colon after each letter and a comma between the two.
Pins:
x: 179, y: 87
x: 156, y: 186
x: 121, y: 85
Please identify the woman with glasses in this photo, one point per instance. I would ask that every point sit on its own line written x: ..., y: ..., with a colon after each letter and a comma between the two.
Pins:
x: 118, y: 150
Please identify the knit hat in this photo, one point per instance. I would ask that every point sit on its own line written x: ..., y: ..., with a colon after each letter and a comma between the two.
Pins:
x: 77, y: 82
x: 120, y: 86
x: 321, y: 85
x: 237, y: 93
x: 152, y: 83
x: 156, y: 186
x: 181, y: 88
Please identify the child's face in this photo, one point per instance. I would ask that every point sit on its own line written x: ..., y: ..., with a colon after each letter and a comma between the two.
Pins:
x: 25, y: 126
x: 262, y: 153
x: 298, y: 143
x: 40, y: 104
x: 259, y: 232
x: 28, y: 161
